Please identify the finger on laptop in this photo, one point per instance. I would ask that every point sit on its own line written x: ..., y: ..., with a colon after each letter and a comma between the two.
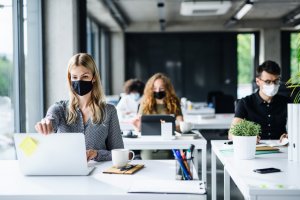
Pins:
x: 49, y: 126
x: 38, y: 127
x: 44, y: 127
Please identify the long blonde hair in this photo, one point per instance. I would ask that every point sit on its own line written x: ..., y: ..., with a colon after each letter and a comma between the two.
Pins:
x: 97, y: 102
x: 171, y: 101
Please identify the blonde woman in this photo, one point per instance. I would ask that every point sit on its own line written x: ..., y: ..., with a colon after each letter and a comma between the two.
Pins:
x: 85, y: 111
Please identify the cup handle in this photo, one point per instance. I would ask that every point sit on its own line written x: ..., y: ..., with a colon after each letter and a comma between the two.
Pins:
x: 133, y: 155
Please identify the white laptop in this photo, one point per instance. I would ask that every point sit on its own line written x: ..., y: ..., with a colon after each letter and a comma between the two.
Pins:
x: 54, y: 154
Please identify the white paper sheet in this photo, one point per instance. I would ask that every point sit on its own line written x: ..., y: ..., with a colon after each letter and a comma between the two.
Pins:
x: 174, y: 187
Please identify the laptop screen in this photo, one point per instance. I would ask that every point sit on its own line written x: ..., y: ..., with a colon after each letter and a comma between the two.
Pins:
x: 151, y: 124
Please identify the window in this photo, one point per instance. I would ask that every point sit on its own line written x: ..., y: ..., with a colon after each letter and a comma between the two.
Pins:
x: 295, y: 41
x: 20, y: 48
x: 245, y: 64
x: 6, y: 77
x: 98, y: 45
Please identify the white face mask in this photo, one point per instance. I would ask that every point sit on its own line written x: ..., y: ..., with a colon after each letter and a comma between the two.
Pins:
x: 135, y: 96
x: 270, y: 90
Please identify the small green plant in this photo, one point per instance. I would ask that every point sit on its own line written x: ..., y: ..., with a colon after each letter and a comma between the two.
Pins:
x: 294, y: 81
x: 246, y: 128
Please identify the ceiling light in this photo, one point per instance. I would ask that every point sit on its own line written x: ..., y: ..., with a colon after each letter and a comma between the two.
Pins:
x: 297, y: 16
x: 297, y: 27
x: 243, y: 10
x: 204, y: 8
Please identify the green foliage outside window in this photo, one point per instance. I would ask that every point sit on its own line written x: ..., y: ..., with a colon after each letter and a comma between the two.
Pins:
x: 245, y: 70
x: 294, y: 62
x: 6, y: 67
x: 294, y: 81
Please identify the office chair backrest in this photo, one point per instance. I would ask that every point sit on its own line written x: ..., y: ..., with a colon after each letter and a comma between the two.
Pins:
x: 213, y: 94
x: 223, y: 103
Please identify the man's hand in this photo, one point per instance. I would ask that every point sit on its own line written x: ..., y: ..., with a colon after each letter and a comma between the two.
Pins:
x: 285, y: 135
x: 258, y: 139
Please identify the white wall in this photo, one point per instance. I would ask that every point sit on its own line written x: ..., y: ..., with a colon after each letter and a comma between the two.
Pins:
x: 118, y: 61
x: 60, y: 44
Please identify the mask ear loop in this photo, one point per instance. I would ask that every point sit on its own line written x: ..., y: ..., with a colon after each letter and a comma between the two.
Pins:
x: 93, y: 78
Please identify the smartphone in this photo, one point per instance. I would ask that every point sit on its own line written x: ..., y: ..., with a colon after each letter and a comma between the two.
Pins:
x: 267, y: 170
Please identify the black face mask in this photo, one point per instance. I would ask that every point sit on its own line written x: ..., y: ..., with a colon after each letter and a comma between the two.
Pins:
x: 159, y: 95
x: 82, y: 87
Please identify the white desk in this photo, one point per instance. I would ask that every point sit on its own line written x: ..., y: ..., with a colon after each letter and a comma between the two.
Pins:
x: 157, y: 142
x: 276, y: 186
x: 221, y: 121
x: 200, y: 111
x: 13, y: 185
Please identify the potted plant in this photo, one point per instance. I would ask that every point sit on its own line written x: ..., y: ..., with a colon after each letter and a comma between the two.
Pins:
x: 244, y: 139
x: 294, y: 112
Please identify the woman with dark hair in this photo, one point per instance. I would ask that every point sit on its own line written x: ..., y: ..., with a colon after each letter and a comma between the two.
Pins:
x: 129, y: 103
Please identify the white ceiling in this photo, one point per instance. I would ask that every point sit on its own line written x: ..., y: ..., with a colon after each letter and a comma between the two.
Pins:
x: 143, y: 15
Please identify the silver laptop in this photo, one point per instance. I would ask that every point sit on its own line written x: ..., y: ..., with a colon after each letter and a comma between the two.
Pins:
x: 54, y: 154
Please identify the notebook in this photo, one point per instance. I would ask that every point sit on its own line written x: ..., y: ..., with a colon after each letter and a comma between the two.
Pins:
x: 114, y: 170
x: 151, y: 124
x: 54, y: 154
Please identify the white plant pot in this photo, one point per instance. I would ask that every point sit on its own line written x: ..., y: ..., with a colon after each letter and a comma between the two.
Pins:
x: 244, y: 147
x: 294, y: 131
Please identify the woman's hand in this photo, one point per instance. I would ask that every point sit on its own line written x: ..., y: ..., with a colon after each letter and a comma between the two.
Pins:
x: 44, y: 127
x: 91, y: 154
x: 136, y: 122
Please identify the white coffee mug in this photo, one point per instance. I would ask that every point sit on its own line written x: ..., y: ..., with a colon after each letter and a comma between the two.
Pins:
x: 185, y: 126
x: 120, y: 157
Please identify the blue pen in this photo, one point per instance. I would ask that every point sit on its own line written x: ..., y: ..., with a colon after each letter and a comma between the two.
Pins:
x: 180, y: 161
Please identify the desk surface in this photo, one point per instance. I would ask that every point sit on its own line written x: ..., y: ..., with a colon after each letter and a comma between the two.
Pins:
x: 157, y: 142
x: 270, y: 186
x: 220, y: 121
x: 13, y: 185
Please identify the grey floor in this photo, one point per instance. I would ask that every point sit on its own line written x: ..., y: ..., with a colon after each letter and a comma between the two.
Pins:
x: 235, y: 194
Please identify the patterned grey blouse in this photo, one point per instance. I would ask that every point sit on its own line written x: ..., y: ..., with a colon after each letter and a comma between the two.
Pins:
x: 102, y: 137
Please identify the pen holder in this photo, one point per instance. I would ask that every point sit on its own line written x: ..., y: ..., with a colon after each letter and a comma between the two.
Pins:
x: 184, y: 169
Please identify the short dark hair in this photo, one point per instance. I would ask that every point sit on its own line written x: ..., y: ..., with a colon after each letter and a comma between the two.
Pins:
x: 134, y: 85
x: 268, y: 66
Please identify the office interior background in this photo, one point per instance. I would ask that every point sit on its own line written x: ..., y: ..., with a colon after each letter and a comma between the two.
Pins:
x: 201, y: 52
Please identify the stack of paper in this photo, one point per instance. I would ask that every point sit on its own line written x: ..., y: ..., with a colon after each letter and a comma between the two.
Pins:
x: 266, y: 150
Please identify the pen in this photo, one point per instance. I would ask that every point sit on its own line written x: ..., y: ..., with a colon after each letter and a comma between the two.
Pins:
x: 186, y: 164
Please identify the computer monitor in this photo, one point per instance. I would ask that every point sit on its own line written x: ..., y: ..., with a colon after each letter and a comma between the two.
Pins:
x: 151, y: 124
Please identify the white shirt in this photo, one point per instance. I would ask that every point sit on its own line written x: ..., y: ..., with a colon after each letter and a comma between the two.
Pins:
x: 127, y: 106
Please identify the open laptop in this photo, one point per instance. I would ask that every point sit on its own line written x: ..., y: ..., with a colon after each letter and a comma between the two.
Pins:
x: 151, y: 124
x: 54, y: 154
